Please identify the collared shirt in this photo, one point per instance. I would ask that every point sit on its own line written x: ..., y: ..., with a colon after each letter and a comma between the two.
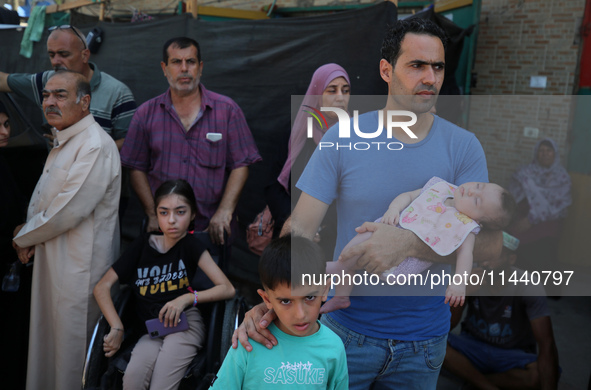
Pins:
x: 112, y: 103
x: 158, y: 145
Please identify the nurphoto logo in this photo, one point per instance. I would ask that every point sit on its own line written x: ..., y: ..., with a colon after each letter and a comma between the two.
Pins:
x: 392, y: 121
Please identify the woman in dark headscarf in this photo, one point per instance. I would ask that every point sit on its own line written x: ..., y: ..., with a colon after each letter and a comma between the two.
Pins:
x: 542, y: 191
x: 15, y: 304
x: 9, y: 195
x: 329, y: 87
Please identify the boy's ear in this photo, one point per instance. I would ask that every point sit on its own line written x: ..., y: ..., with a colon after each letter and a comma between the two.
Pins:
x: 325, y: 294
x: 265, y: 297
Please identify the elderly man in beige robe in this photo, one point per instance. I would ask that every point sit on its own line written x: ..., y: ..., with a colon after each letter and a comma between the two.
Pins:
x: 72, y: 229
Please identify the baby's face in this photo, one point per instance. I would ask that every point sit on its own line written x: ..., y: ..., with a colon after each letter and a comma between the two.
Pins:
x: 479, y: 201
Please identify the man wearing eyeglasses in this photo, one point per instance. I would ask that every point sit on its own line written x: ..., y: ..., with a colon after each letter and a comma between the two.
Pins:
x: 112, y: 103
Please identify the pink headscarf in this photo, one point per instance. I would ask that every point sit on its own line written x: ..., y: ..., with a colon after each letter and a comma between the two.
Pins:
x: 320, y: 80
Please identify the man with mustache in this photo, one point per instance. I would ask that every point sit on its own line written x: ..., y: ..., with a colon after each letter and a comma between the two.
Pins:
x: 112, y: 103
x: 194, y: 134
x: 72, y: 229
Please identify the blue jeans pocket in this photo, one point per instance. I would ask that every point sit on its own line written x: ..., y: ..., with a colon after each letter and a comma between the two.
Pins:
x: 336, y: 328
x: 435, y: 352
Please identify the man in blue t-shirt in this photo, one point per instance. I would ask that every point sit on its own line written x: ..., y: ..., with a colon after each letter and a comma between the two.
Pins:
x: 394, y: 336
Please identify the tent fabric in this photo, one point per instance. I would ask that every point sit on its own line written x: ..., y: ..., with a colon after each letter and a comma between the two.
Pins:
x: 26, y: 150
x: 455, y: 44
x: 9, y: 17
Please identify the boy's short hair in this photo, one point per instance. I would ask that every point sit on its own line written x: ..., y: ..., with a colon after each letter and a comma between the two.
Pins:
x: 505, y: 218
x: 276, y: 266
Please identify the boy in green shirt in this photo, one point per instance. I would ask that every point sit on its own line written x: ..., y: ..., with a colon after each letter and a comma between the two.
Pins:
x: 308, y: 355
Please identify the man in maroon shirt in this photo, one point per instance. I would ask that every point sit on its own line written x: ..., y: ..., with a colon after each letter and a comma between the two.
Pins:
x: 193, y: 134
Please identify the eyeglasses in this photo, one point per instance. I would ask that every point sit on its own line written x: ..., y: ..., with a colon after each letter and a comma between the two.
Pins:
x: 66, y: 27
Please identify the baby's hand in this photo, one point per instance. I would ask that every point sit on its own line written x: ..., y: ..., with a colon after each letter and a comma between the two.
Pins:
x: 455, y: 295
x: 391, y: 217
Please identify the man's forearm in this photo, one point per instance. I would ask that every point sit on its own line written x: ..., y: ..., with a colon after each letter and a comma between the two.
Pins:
x: 233, y: 189
x: 141, y: 186
x: 547, y: 352
x: 4, y: 82
x: 548, y: 368
x: 306, y: 217
x: 119, y: 143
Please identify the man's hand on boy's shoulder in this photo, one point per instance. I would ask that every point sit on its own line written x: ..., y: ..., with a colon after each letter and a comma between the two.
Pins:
x: 254, y: 326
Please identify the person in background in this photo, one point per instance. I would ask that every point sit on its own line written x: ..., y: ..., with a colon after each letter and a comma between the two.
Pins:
x: 542, y: 190
x: 330, y: 87
x: 190, y: 133
x: 507, y: 340
x: 15, y: 296
x: 112, y: 102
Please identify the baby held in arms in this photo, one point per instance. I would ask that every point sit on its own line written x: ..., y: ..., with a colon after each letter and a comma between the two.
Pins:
x: 445, y: 217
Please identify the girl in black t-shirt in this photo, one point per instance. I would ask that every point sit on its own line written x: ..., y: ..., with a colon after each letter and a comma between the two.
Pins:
x: 159, y: 269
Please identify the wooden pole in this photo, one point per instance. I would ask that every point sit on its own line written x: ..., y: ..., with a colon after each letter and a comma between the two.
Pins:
x: 192, y: 7
x: 102, y: 12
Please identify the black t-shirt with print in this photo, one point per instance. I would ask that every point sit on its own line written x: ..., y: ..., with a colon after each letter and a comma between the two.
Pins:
x: 156, y: 278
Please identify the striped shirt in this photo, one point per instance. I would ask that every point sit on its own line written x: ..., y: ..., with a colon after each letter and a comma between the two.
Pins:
x: 112, y: 103
x: 158, y: 145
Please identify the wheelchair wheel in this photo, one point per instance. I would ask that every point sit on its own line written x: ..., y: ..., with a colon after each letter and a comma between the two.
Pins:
x: 233, y: 316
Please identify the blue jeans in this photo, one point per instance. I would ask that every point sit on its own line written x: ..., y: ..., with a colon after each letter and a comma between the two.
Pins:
x: 389, y: 364
x: 488, y: 358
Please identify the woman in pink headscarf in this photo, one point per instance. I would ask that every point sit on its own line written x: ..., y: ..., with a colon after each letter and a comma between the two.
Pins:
x: 330, y: 87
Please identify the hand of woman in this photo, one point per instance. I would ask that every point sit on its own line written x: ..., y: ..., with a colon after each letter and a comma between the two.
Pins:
x: 172, y: 310
x: 112, y: 341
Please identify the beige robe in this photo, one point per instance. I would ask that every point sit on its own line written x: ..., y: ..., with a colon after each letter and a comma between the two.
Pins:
x: 73, y: 223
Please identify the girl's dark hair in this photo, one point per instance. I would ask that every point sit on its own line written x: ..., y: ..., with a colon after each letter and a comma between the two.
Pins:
x: 178, y: 187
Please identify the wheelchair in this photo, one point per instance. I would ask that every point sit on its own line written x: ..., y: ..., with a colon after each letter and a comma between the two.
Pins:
x: 221, y: 318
